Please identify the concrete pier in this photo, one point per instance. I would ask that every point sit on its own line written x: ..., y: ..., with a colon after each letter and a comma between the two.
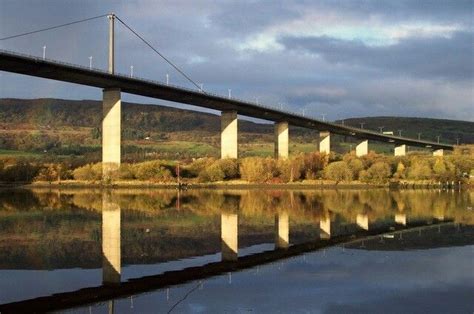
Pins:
x: 282, y: 231
x: 111, y: 261
x: 401, y: 219
x: 229, y: 142
x: 362, y: 221
x: 401, y: 150
x: 325, y: 227
x: 438, y: 152
x: 362, y: 149
x: 324, y: 142
x: 281, y: 140
x: 229, y: 237
x: 111, y: 131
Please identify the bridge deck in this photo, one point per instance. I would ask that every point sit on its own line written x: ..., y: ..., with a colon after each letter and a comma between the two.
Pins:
x: 34, y: 66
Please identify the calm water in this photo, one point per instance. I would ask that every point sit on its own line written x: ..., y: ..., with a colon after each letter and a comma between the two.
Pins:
x: 239, y: 251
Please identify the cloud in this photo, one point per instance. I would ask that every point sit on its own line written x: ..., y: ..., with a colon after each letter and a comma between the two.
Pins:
x: 438, y: 57
x: 350, y: 58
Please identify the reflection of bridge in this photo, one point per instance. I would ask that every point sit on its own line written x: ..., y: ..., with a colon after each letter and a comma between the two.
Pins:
x: 114, y: 84
x: 331, y: 234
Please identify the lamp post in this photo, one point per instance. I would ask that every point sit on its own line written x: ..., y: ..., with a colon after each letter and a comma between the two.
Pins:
x: 324, y: 116
x: 131, y: 71
x: 167, y: 79
x: 438, y: 138
x: 44, y: 52
x: 381, y: 129
x: 419, y: 136
x: 400, y: 133
x: 362, y: 125
x: 230, y: 93
x: 90, y: 63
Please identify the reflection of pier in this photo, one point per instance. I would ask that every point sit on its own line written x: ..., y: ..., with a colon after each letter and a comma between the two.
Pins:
x: 229, y: 236
x: 325, y: 227
x: 111, y: 263
x: 282, y: 230
x: 134, y: 286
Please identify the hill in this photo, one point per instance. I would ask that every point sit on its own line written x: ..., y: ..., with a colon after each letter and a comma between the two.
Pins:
x: 448, y: 130
x: 72, y: 127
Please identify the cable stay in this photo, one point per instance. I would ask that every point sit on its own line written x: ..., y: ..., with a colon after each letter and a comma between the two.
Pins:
x: 124, y: 24
x: 53, y: 27
x: 160, y: 54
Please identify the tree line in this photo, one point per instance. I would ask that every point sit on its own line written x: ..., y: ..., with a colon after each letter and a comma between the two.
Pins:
x: 372, y: 168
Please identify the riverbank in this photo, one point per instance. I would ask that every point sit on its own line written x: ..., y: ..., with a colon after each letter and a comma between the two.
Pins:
x: 241, y: 184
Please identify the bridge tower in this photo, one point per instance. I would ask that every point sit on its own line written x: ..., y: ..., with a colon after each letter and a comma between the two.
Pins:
x: 111, y: 116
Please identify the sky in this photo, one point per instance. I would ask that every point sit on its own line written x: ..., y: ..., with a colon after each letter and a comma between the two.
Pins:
x: 338, y: 58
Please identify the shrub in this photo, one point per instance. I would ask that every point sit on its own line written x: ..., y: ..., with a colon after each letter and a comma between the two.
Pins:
x: 290, y: 170
x: 338, y: 171
x: 197, y: 166
x: 89, y: 172
x: 151, y: 171
x: 356, y: 165
x: 379, y: 172
x: 419, y: 170
x: 212, y: 173
x: 254, y: 169
x: 229, y: 167
x: 314, y: 163
x: 49, y: 173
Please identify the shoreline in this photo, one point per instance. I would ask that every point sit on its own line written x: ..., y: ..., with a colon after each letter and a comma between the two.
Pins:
x: 235, y: 185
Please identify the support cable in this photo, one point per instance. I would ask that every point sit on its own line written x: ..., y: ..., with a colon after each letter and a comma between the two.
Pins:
x: 53, y: 27
x: 159, y: 53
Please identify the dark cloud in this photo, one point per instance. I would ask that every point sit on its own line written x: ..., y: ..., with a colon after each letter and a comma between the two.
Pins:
x: 423, y: 76
x: 439, y: 57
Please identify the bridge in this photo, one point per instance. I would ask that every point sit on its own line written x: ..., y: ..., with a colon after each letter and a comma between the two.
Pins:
x: 114, y: 84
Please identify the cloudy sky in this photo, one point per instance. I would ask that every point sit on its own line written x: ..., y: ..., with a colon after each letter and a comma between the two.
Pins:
x: 339, y: 58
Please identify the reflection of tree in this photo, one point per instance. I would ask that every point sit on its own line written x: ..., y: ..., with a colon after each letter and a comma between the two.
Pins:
x: 63, y: 226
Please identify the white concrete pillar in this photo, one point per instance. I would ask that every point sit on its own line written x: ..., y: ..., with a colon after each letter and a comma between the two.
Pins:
x: 111, y: 255
x: 282, y: 231
x: 229, y: 237
x: 281, y: 140
x: 362, y: 149
x: 325, y: 227
x: 363, y: 221
x: 401, y: 219
x: 324, y: 142
x: 229, y: 144
x: 401, y: 150
x: 438, y: 152
x: 111, y: 130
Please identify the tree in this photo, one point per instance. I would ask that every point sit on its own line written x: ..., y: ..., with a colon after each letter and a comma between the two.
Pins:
x: 379, y: 172
x: 338, y: 171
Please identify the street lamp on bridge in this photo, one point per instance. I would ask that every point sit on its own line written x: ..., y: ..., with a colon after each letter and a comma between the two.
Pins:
x: 90, y: 63
x: 362, y: 125
x: 419, y: 136
x: 381, y: 129
x: 44, y: 52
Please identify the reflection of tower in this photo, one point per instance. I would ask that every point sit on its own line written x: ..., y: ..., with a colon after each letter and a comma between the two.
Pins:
x: 401, y: 219
x: 111, y: 306
x: 111, y: 265
x: 363, y: 221
x: 282, y: 230
x: 229, y: 236
x: 325, y: 226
